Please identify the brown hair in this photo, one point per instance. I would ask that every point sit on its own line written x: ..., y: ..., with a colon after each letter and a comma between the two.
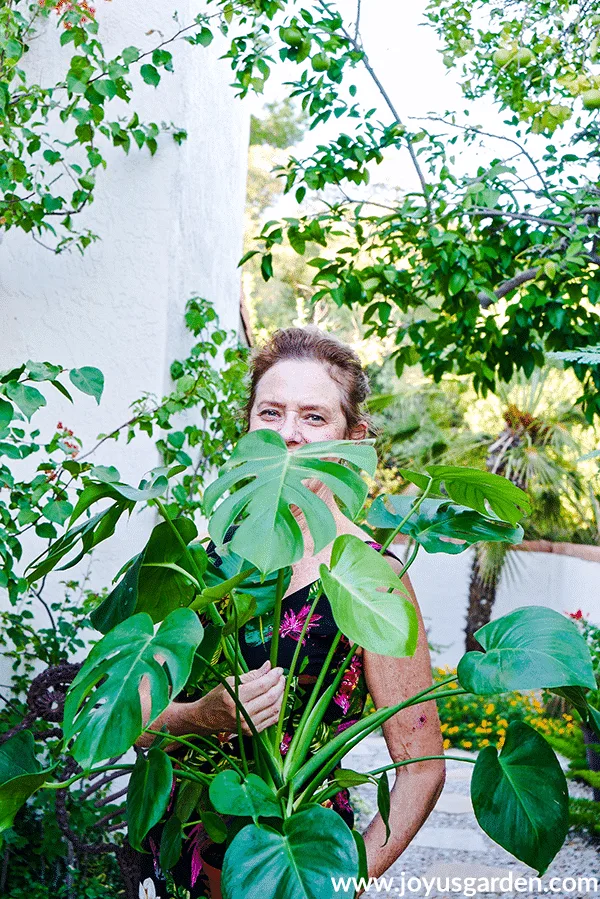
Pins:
x: 341, y: 362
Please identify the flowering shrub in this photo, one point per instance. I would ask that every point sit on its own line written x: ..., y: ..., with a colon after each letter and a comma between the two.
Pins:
x: 472, y: 722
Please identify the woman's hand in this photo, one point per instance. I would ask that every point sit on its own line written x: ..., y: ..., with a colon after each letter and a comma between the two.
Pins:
x: 260, y: 691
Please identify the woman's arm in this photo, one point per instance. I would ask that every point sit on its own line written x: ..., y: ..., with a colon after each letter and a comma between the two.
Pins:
x: 260, y: 692
x: 410, y: 733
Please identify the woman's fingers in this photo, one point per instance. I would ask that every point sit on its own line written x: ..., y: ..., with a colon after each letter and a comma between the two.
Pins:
x: 257, y: 686
x: 271, y: 698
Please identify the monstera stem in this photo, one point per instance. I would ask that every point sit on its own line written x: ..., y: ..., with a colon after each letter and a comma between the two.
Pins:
x: 291, y: 672
x: 277, y: 616
x: 213, y: 612
x: 414, y: 508
x: 326, y: 758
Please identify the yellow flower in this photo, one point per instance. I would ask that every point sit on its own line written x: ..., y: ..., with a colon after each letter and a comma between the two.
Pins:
x: 444, y: 727
x: 447, y: 744
x: 467, y: 744
x: 489, y: 708
x: 485, y: 742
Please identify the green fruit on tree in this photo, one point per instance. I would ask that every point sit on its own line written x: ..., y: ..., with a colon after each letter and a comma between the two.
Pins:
x: 291, y: 35
x: 320, y: 62
x: 591, y: 99
x: 524, y: 57
x: 503, y: 57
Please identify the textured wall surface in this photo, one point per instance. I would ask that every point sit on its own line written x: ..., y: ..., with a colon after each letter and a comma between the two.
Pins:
x: 171, y: 226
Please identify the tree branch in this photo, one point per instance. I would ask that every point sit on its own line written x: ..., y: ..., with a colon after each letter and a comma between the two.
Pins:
x: 365, y: 59
x: 485, y: 301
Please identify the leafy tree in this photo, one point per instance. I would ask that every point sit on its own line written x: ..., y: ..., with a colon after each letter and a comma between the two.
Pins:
x: 481, y: 272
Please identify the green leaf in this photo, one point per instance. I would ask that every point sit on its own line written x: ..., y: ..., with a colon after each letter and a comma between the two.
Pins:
x: 473, y: 488
x: 214, y: 826
x: 62, y: 389
x: 314, y: 846
x: 20, y: 775
x: 108, y: 474
x: 226, y: 576
x: 520, y: 798
x: 250, y: 797
x: 89, y: 380
x: 436, y: 519
x: 384, y: 623
x: 57, y: 511
x: 102, y: 709
x: 148, y: 794
x: 160, y: 590
x: 345, y: 777
x: 106, y: 88
x: 120, y: 602
x: 28, y: 399
x: 171, y: 842
x: 42, y: 371
x: 130, y: 55
x: 363, y: 866
x: 457, y: 282
x: 150, y: 75
x: 383, y: 802
x: 6, y: 414
x: 269, y: 537
x: 531, y: 648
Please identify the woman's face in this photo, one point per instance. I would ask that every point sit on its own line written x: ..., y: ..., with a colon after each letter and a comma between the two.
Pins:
x: 298, y: 399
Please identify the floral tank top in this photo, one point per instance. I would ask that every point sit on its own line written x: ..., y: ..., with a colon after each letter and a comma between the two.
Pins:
x: 344, y: 710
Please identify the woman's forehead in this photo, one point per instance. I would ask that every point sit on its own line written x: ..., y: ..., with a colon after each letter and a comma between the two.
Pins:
x: 301, y: 381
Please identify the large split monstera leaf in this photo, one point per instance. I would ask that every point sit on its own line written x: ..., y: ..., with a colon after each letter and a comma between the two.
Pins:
x: 437, y: 522
x: 300, y: 860
x: 102, y: 707
x: 531, y: 648
x: 380, y: 622
x: 479, y: 490
x: 269, y: 478
x: 520, y: 797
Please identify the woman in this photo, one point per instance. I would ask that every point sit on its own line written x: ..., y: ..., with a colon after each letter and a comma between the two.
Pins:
x: 309, y: 387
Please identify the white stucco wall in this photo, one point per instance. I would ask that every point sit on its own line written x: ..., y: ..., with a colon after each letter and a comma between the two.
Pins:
x: 171, y: 226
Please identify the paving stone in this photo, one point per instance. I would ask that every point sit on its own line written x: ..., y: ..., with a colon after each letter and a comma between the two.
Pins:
x: 454, y: 803
x: 459, y: 838
x: 461, y: 772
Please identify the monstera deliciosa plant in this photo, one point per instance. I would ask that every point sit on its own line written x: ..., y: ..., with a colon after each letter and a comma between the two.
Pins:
x: 175, y: 617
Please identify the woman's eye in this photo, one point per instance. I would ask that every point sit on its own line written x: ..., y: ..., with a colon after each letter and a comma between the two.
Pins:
x: 266, y: 411
x: 314, y: 415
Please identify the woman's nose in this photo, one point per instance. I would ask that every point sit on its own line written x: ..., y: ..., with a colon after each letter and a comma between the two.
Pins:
x: 290, y: 429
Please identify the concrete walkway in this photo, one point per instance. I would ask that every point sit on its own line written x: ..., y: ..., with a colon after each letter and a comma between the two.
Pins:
x: 452, y: 845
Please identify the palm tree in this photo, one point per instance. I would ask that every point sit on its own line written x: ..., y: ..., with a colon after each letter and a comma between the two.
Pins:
x: 534, y: 436
x: 538, y: 452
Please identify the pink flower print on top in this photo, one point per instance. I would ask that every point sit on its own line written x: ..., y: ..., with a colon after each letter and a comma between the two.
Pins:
x: 348, y: 684
x: 197, y: 838
x: 292, y: 623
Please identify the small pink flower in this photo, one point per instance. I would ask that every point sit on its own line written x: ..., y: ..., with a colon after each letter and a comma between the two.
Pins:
x: 197, y: 835
x: 576, y: 615
x: 292, y: 623
x: 285, y: 743
x: 344, y: 725
x: 348, y: 684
